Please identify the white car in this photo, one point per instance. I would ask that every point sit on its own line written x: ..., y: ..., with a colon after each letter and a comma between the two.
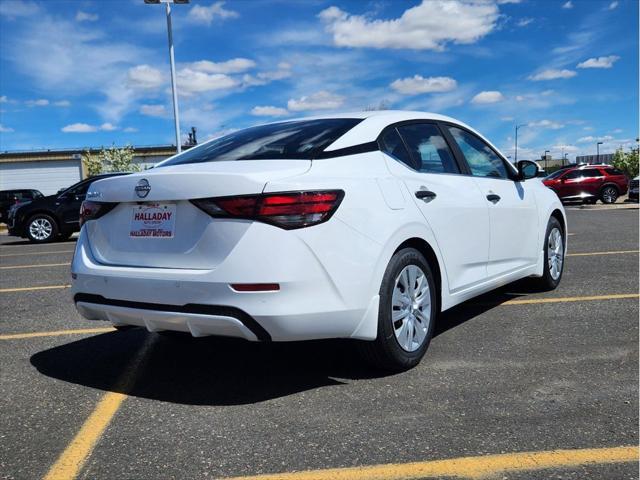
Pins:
x: 361, y: 225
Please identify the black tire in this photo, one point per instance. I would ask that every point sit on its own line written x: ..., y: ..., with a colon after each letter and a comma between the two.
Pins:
x: 62, y: 236
x: 547, y: 281
x: 37, y: 235
x: 385, y: 351
x: 609, y: 194
x: 590, y: 201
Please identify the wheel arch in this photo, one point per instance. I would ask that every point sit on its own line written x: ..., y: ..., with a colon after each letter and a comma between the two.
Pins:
x: 609, y: 184
x: 429, y: 254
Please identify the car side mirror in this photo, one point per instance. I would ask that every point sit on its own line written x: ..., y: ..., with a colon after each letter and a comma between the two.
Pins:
x: 527, y: 169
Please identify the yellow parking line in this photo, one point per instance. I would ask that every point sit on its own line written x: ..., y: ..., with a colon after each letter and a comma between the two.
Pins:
x: 467, y: 467
x: 34, y: 253
x: 588, y: 254
x: 589, y: 298
x: 28, y: 289
x: 72, y: 459
x: 11, y: 267
x: 55, y: 333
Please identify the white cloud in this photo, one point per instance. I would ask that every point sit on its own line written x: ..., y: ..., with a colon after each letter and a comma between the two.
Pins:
x: 428, y: 26
x: 269, y: 111
x: 107, y: 127
x: 235, y: 65
x: 262, y: 78
x: 16, y: 8
x: 62, y: 103
x: 206, y: 15
x: 130, y: 130
x: 567, y: 5
x: 506, y: 119
x: 4, y: 99
x: 191, y: 81
x: 145, y: 77
x: 40, y: 102
x: 86, y: 128
x: 546, y: 124
x: 591, y: 139
x: 613, y: 5
x: 418, y: 84
x: 321, y: 100
x: 86, y: 17
x: 599, y: 62
x: 153, y: 110
x: 552, y: 74
x: 489, y: 96
x: 4, y: 129
x: 524, y: 22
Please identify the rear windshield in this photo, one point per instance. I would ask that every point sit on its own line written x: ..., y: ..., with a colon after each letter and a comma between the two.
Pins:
x: 302, y: 139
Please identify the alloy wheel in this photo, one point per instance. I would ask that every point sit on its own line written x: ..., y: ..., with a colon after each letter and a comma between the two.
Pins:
x: 555, y: 253
x: 40, y: 229
x: 609, y: 195
x: 411, y: 308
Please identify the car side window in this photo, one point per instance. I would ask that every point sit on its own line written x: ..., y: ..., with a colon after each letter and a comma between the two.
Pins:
x: 591, y: 172
x: 573, y: 174
x: 613, y: 171
x: 393, y: 146
x: 482, y: 160
x: 428, y: 148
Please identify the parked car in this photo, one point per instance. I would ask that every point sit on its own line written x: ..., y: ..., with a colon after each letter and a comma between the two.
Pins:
x: 588, y: 183
x: 633, y: 189
x: 362, y: 226
x: 8, y: 198
x: 54, y: 217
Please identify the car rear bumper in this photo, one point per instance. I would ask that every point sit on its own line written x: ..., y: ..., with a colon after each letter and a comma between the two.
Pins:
x: 310, y: 302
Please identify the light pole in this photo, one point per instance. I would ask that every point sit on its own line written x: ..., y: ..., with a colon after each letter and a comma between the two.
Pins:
x: 598, y: 152
x: 546, y: 162
x: 174, y: 91
x: 516, y: 149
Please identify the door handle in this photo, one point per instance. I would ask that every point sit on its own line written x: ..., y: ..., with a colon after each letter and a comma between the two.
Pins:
x: 493, y: 198
x: 425, y: 195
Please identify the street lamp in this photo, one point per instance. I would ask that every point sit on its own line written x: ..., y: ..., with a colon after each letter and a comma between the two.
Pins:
x: 174, y: 91
x: 546, y: 162
x: 516, y: 149
x: 598, y: 152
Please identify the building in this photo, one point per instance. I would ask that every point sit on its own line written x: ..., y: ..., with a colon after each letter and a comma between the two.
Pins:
x: 591, y: 159
x: 51, y: 170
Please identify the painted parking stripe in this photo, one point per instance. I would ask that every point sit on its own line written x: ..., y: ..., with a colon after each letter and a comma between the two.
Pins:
x: 468, y: 467
x: 588, y: 254
x: 55, y: 333
x: 591, y: 298
x: 70, y: 462
x: 15, y: 267
x: 34, y: 253
x: 29, y: 289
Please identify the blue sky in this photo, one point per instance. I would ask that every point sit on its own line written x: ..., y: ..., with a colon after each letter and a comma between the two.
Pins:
x: 80, y: 73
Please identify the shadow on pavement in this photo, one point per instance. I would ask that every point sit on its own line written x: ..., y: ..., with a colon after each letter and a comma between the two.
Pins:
x: 225, y: 371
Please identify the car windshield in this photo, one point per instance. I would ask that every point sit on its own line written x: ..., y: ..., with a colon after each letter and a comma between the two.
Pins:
x: 555, y: 174
x: 286, y: 140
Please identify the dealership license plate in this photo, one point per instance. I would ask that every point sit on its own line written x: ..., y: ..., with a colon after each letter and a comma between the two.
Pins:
x: 153, y: 220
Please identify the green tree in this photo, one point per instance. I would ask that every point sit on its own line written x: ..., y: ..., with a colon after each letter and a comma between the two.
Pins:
x: 626, y: 161
x: 112, y: 159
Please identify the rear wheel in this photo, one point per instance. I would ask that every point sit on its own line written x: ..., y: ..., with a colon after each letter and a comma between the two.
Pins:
x: 407, y: 313
x: 553, y: 256
x: 609, y: 194
x: 42, y: 228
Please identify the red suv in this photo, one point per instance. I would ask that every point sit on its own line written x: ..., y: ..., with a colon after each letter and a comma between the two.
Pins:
x: 588, y: 183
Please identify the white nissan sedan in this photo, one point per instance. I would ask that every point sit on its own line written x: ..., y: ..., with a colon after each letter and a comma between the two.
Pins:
x: 359, y: 225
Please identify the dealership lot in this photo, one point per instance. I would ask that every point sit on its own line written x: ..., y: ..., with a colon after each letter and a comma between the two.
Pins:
x: 554, y: 373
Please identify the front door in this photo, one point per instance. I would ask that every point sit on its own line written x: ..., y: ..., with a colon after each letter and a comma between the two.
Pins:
x: 512, y: 207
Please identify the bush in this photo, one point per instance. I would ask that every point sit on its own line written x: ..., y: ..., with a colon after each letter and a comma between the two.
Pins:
x: 109, y: 160
x: 626, y: 161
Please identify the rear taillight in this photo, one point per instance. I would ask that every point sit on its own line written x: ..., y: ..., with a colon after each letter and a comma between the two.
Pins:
x: 287, y: 210
x: 91, y: 210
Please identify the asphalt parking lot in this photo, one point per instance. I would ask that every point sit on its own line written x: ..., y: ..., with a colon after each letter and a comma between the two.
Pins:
x: 553, y: 374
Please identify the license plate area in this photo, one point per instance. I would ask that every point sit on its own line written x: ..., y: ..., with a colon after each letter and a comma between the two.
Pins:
x: 153, y: 220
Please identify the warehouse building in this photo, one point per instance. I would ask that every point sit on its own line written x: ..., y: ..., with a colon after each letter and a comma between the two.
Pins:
x: 593, y: 159
x: 51, y: 170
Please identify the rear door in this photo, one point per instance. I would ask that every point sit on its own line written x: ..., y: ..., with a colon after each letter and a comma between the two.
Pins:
x: 451, y: 203
x: 512, y: 207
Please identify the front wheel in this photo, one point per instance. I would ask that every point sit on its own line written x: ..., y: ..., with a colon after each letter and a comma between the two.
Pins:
x: 42, y: 228
x: 407, y: 313
x: 609, y: 195
x: 553, y: 256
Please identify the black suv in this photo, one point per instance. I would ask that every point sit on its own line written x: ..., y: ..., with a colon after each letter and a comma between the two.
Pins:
x: 54, y: 217
x: 8, y: 198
